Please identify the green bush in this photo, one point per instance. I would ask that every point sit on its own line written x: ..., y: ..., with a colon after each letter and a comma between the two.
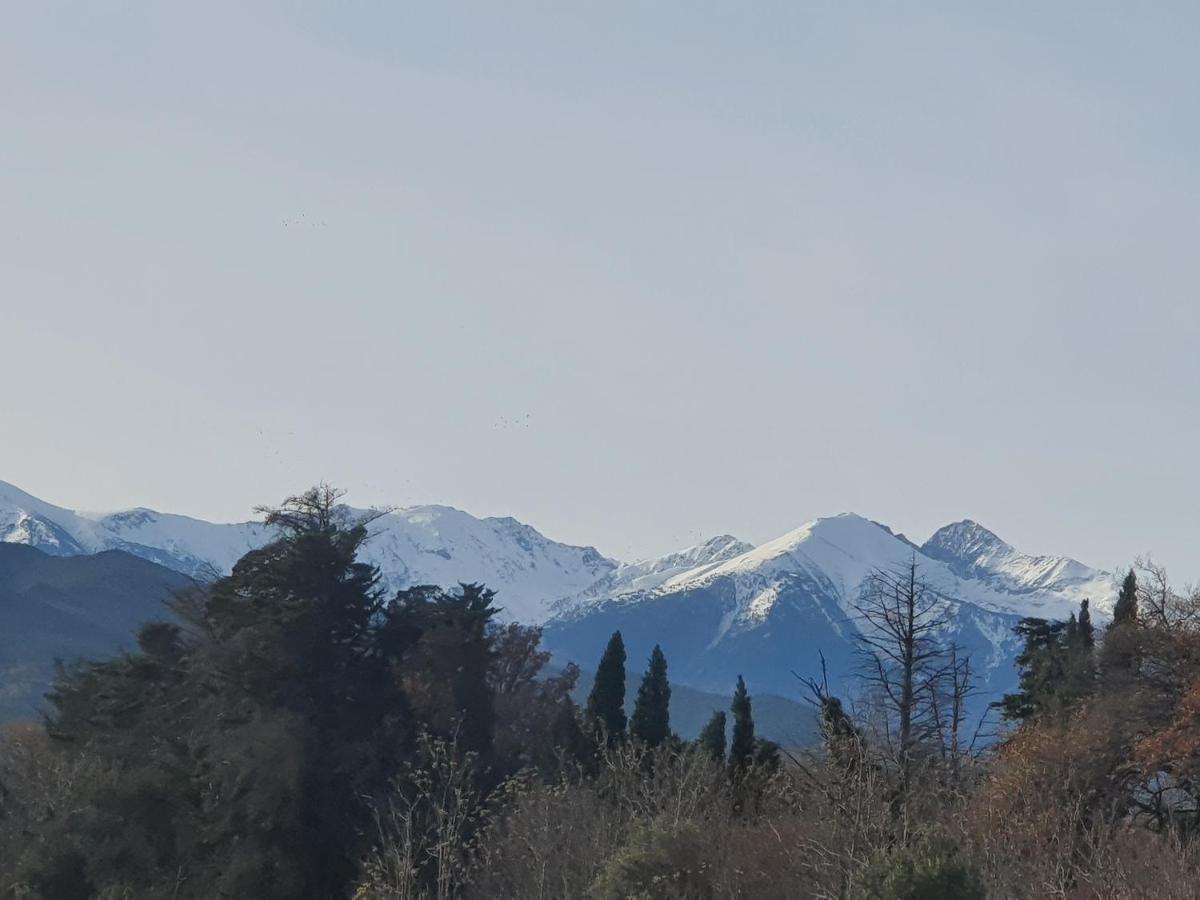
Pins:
x: 924, y: 871
x: 659, y: 860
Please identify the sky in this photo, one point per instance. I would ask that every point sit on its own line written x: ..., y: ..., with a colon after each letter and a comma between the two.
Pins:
x: 636, y: 274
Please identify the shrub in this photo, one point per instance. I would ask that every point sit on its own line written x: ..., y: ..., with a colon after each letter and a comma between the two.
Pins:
x: 923, y: 871
x: 659, y: 859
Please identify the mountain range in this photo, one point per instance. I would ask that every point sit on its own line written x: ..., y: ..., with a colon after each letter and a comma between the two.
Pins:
x: 720, y: 608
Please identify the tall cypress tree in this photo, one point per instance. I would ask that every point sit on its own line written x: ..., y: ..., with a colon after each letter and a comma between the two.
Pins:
x: 712, y: 738
x: 741, y: 746
x: 1125, y: 611
x: 1080, y: 663
x: 606, y: 703
x: 651, y: 722
x: 1087, y: 632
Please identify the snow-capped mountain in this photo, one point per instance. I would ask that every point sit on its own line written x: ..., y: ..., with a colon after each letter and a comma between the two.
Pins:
x: 772, y: 610
x: 719, y: 608
x: 186, y: 545
x: 445, y: 546
x: 973, y: 552
x: 648, y: 574
x: 419, y: 545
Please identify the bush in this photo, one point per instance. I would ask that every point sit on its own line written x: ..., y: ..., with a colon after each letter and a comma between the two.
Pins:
x: 660, y: 859
x: 924, y: 871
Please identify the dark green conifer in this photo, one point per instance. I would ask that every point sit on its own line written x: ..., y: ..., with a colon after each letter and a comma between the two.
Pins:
x: 1079, y: 642
x: 245, y: 740
x: 712, y: 738
x: 1125, y: 611
x: 1042, y: 667
x: 741, y: 745
x: 606, y: 703
x: 651, y: 721
x: 767, y: 754
x: 1087, y: 632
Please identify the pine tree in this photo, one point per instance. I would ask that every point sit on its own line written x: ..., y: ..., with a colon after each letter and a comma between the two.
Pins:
x: 1042, y: 666
x: 1087, y: 632
x: 651, y: 721
x: 741, y: 746
x: 712, y: 738
x: 606, y: 703
x: 1126, y: 609
x: 272, y: 700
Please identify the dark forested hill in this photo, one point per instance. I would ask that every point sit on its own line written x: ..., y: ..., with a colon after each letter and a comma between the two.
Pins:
x: 69, y: 607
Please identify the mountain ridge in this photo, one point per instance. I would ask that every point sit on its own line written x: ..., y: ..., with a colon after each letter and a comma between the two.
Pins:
x: 720, y: 608
x: 779, y: 607
x: 538, y: 578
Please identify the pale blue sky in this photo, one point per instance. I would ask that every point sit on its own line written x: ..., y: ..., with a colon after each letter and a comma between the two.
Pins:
x: 634, y: 273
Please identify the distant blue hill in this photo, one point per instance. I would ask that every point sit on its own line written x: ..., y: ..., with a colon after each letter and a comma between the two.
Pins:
x: 69, y: 607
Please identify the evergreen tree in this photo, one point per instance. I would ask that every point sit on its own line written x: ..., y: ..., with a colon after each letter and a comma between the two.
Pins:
x: 606, y: 703
x: 1087, y: 632
x: 1079, y: 642
x: 843, y: 741
x: 247, y: 743
x: 446, y: 673
x: 651, y: 721
x: 568, y: 738
x: 741, y: 745
x: 1125, y: 611
x: 712, y: 738
x: 1042, y: 666
x: 767, y: 754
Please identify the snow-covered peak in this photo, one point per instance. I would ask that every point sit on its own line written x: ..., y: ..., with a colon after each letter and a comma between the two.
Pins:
x: 648, y: 574
x: 965, y: 540
x: 845, y: 547
x: 972, y: 551
x: 418, y: 545
x: 13, y: 500
x: 711, y: 552
x: 24, y: 519
x: 444, y: 546
x: 536, y: 577
x: 798, y: 597
x: 964, y: 561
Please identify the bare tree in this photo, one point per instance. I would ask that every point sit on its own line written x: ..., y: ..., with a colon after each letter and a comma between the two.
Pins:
x: 948, y: 709
x: 904, y: 662
x: 1160, y: 605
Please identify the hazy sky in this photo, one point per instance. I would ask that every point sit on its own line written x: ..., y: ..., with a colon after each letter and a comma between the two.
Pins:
x: 635, y: 273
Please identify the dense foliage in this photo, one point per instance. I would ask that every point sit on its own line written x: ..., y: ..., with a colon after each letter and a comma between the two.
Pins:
x: 240, y: 751
x: 296, y: 733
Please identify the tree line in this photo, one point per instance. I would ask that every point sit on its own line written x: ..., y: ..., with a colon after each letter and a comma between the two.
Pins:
x: 295, y: 732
